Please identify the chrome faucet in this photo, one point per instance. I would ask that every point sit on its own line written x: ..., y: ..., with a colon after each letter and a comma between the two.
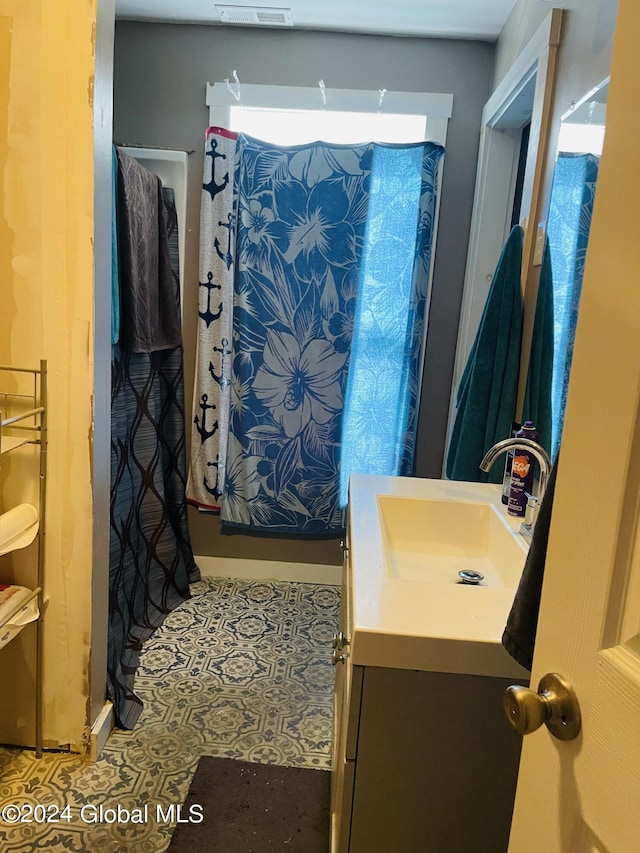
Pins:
x: 542, y: 458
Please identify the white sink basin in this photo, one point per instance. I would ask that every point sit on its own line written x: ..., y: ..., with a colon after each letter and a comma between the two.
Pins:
x: 432, y: 540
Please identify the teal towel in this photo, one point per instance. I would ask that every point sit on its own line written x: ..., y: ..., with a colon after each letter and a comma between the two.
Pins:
x: 537, y: 398
x: 486, y: 397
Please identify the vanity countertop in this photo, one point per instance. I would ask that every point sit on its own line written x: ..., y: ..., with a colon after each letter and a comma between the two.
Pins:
x: 413, y: 624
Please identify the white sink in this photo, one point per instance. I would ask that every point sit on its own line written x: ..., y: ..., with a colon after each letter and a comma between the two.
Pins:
x: 432, y: 540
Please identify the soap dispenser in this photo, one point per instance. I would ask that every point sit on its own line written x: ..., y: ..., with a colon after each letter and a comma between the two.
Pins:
x: 522, y: 471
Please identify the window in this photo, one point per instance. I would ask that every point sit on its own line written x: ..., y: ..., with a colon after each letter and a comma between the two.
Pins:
x: 294, y: 127
x: 581, y: 138
x: 295, y: 114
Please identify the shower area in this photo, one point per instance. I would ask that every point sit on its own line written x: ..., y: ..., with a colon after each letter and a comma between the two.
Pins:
x: 309, y: 352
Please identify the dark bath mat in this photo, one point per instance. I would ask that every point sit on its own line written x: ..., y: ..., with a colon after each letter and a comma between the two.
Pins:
x: 254, y: 808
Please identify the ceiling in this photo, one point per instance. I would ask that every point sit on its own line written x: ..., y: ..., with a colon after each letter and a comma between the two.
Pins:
x: 468, y: 19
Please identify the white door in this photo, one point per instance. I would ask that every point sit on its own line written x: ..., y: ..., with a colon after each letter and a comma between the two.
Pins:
x: 584, y: 794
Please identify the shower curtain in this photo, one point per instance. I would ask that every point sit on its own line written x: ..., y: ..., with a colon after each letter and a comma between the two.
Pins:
x: 322, y: 282
x: 151, y: 562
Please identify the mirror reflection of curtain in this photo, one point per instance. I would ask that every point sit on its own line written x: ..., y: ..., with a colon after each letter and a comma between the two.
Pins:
x: 570, y: 211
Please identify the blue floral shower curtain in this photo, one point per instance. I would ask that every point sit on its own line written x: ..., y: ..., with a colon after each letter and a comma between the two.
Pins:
x: 332, y: 259
x: 570, y: 212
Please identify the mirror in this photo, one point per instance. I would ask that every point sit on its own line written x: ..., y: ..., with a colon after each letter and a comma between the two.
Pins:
x: 509, y: 187
x: 580, y: 142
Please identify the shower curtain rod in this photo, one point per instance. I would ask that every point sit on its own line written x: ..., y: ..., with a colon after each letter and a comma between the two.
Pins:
x: 154, y: 147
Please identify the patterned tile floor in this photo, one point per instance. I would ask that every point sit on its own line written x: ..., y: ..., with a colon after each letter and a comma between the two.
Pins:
x: 242, y: 670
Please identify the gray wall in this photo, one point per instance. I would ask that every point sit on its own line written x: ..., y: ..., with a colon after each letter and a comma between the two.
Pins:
x: 585, y: 45
x: 160, y: 77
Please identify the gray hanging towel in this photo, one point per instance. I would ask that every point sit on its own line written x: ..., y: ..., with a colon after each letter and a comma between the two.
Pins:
x: 149, y: 314
x: 520, y: 633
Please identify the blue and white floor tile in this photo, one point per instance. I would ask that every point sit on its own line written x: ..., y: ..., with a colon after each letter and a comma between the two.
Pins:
x: 241, y: 670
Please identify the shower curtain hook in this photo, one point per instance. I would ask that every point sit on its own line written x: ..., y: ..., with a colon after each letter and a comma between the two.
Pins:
x: 323, y: 93
x: 382, y: 93
x: 235, y: 92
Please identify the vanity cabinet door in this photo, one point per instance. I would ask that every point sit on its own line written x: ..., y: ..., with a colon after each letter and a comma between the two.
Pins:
x: 346, y: 713
x: 436, y: 764
x: 344, y: 759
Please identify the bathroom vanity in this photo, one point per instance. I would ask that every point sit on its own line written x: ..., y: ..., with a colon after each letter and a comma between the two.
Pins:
x: 423, y: 759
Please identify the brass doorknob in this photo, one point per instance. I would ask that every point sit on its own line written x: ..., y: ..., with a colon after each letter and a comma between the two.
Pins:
x: 555, y: 704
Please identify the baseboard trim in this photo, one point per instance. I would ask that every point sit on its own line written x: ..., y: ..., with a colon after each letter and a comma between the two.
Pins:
x: 100, y: 731
x: 232, y: 567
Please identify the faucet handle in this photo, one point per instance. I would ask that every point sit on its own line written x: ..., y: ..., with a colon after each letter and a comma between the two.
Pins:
x: 531, y: 509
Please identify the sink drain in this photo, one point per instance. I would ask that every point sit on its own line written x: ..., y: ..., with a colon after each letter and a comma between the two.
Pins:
x: 470, y: 577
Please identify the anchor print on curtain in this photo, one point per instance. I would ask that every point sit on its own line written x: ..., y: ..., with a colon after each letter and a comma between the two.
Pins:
x: 209, y: 428
x: 311, y: 221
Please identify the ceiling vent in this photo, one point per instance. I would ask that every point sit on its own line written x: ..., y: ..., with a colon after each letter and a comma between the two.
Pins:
x: 255, y: 16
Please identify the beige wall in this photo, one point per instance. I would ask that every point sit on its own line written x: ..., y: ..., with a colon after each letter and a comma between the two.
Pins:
x: 46, y: 275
